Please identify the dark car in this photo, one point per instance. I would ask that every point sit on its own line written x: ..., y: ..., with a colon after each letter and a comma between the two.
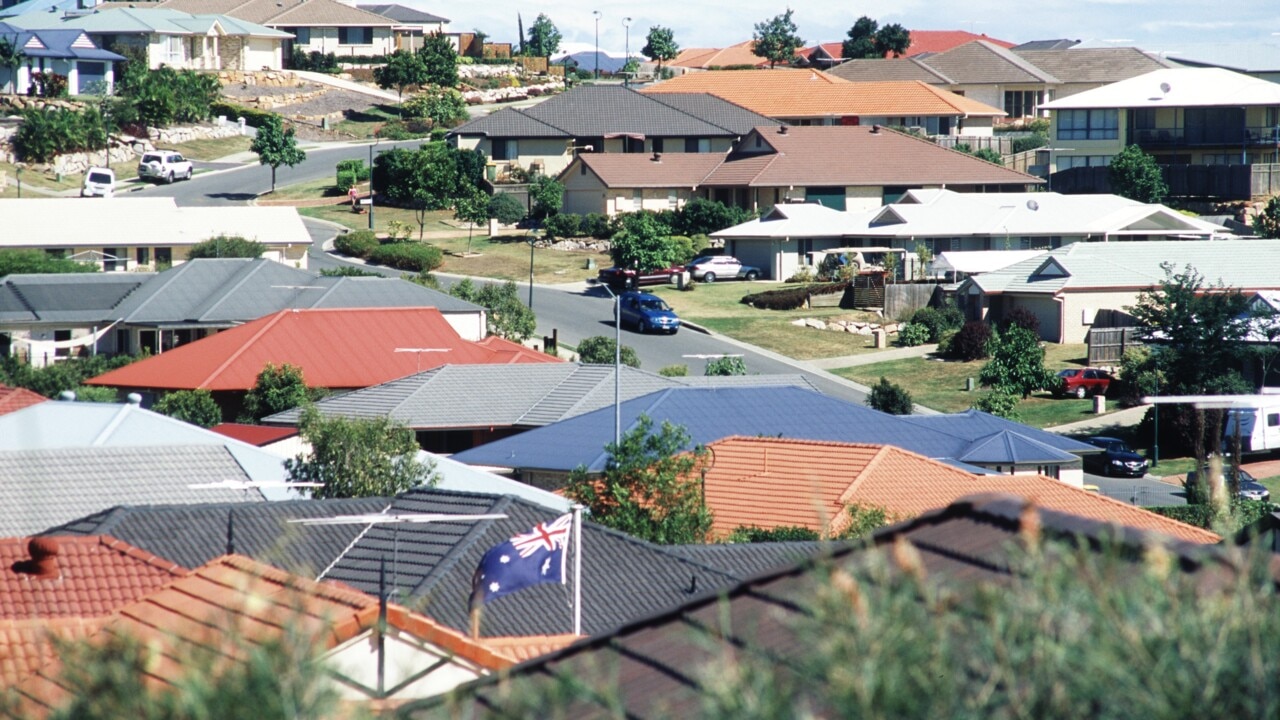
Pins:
x: 1083, y: 382
x: 710, y: 268
x: 1249, y: 488
x: 1115, y: 459
x: 620, y: 279
x: 647, y: 313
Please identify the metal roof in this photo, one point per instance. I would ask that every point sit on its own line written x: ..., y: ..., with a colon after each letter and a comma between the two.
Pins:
x: 1174, y: 88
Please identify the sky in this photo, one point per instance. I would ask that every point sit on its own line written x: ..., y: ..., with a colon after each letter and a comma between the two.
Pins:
x: 1153, y: 25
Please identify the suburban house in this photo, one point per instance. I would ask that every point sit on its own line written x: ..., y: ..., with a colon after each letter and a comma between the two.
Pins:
x: 325, y: 26
x: 1184, y: 117
x: 1259, y: 59
x: 786, y: 237
x: 1020, y: 81
x: 457, y: 407
x: 976, y: 442
x: 843, y: 168
x: 768, y: 482
x: 13, y: 399
x: 379, y: 344
x: 129, y: 234
x: 370, y: 652
x: 813, y: 97
x: 923, y: 42
x: 1085, y: 285
x: 64, y: 51
x: 734, y: 56
x: 607, y: 119
x: 47, y: 316
x: 195, y: 39
x: 654, y: 667
x: 412, y: 25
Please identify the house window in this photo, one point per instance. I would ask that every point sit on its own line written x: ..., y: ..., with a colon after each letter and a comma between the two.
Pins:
x: 114, y: 259
x: 164, y: 257
x: 505, y: 149
x: 633, y: 145
x: 657, y: 144
x: 173, y: 50
x: 1088, y: 124
x: 697, y: 145
x: 1022, y: 103
x: 143, y: 256
x: 61, y: 336
x: 122, y: 342
x: 302, y: 36
x: 637, y: 200
x: 673, y: 199
x: 355, y: 36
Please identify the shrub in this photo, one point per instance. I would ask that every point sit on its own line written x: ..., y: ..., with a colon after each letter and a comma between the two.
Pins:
x: 563, y: 226
x: 912, y: 334
x: 938, y: 320
x: 194, y: 406
x: 791, y: 298
x: 889, y: 398
x: 345, y: 181
x: 506, y: 209
x: 46, y: 133
x: 803, y: 274
x: 596, y: 225
x: 1023, y: 144
x: 688, y: 247
x: 1023, y: 318
x: 360, y: 243
x: 971, y: 342
x: 725, y: 366
x: 356, y: 167
x: 444, y: 107
x: 674, y: 371
x: 226, y: 246
x: 414, y: 257
x: 252, y: 117
x: 314, y: 61
x: 599, y: 350
x: 782, y: 533
x: 49, y: 84
x: 1000, y: 403
x: 412, y: 129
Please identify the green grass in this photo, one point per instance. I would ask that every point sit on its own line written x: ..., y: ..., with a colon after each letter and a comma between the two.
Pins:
x: 717, y: 306
x: 213, y: 149
x: 365, y: 123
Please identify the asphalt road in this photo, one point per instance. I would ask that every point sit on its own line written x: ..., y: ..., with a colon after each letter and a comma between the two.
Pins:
x: 573, y: 315
x: 1143, y: 491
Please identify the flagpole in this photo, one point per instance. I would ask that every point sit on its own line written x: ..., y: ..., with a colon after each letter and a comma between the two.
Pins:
x: 577, y: 569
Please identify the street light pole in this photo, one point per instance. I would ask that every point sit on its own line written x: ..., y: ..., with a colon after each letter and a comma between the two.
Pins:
x: 617, y: 363
x: 371, y: 147
x: 597, y: 14
x: 626, y: 78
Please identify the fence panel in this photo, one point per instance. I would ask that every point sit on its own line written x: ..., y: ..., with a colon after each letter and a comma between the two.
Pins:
x: 1107, y: 345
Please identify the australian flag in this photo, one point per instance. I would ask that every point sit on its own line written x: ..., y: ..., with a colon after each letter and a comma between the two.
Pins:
x: 525, y: 560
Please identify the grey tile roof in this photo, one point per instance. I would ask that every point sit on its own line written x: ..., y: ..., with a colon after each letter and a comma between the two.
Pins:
x: 403, y: 14
x: 43, y: 488
x: 717, y: 111
x: 192, y: 535
x: 71, y: 298
x: 623, y: 578
x: 983, y: 62
x: 748, y: 559
x: 510, y: 123
x: 1093, y: 65
x: 882, y: 69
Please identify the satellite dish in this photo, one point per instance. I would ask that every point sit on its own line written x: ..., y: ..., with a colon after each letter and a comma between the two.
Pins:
x: 1032, y: 205
x: 1165, y: 88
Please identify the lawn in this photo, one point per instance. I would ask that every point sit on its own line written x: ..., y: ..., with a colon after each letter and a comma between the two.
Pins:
x: 365, y: 123
x: 940, y: 385
x: 717, y: 306
x: 213, y: 149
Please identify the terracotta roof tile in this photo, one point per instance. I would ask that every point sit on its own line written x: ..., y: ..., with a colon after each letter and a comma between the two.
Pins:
x: 96, y: 575
x: 28, y: 645
x: 522, y: 648
x: 629, y: 170
x: 740, y: 54
x: 310, y: 339
x: 257, y: 435
x: 767, y: 482
x: 16, y: 398
x: 936, y: 41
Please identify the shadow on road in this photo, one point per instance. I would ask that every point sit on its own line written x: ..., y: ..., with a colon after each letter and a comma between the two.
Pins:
x: 234, y: 197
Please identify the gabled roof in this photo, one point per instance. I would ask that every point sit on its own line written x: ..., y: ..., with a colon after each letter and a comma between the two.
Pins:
x: 46, y: 487
x: 975, y: 425
x: 64, y: 298
x: 89, y: 576
x: 716, y: 110
x: 899, y: 69
x: 654, y: 667
x: 460, y: 396
x: 987, y: 63
x: 936, y: 41
x: 402, y: 14
x: 26, y: 646
x: 55, y: 43
x: 256, y: 435
x: 1093, y: 65
x: 661, y: 170
x: 772, y: 482
x: 1247, y: 265
x: 792, y: 93
x: 229, y: 291
x: 277, y: 14
x: 163, y: 20
x: 13, y: 399
x: 740, y: 54
x: 710, y: 414
x: 232, y: 359
x: 1187, y: 87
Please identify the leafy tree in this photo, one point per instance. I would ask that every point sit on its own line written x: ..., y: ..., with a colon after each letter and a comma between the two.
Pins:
x: 1017, y: 363
x: 54, y: 379
x: 39, y: 261
x: 439, y: 59
x: 1267, y: 223
x: 971, y: 342
x: 725, y: 366
x: 506, y: 208
x: 347, y: 271
x: 889, y: 398
x: 433, y: 175
x: 650, y: 489
x: 443, y: 106
x: 776, y: 39
x: 194, y: 406
x: 544, y: 38
x: 868, y: 40
x: 276, y: 146
x: 599, y: 350
x: 358, y: 457
x: 506, y: 316
x: 701, y: 216
x: 990, y: 156
x: 473, y: 210
x: 226, y: 246
x: 1134, y: 174
x: 782, y: 533
x: 643, y: 243
x: 278, y: 388
x: 1000, y: 403
x: 660, y: 46
x: 547, y: 196
x: 401, y: 70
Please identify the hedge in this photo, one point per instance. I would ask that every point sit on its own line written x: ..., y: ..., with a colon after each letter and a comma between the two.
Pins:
x: 791, y: 298
x: 356, y: 244
x: 252, y: 117
x: 1243, y: 513
x: 411, y: 256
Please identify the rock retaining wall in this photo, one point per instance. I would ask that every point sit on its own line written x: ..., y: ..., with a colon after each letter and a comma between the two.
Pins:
x: 271, y: 78
x: 488, y: 71
x: 846, y: 326
x: 510, y: 94
x: 122, y: 148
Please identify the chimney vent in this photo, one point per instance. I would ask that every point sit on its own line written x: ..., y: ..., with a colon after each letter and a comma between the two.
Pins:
x: 67, y: 395
x: 134, y: 399
x: 782, y: 129
x: 657, y: 157
x: 44, y: 559
x: 875, y: 129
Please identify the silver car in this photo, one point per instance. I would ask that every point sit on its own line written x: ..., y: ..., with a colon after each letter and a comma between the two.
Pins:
x: 710, y: 268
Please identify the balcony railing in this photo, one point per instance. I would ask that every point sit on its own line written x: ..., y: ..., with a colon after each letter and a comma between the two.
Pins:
x: 1253, y: 136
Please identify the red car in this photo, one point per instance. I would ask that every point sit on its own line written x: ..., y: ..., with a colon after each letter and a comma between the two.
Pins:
x: 620, y: 279
x: 1083, y: 382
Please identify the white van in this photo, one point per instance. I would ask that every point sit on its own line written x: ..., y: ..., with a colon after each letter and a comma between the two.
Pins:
x: 99, y: 182
x: 1259, y: 429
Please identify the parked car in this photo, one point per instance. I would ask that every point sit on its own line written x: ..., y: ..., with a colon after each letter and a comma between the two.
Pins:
x: 1259, y: 429
x: 164, y: 165
x: 1083, y: 382
x: 647, y: 312
x: 1249, y: 488
x: 620, y: 279
x: 99, y: 182
x: 710, y: 268
x: 1116, y: 458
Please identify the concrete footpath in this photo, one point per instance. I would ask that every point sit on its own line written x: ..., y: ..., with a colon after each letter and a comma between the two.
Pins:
x: 872, y: 357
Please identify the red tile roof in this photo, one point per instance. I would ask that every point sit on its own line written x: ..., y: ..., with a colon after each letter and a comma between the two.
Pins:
x: 936, y: 41
x: 527, y: 647
x: 769, y: 482
x: 29, y: 645
x: 630, y: 170
x: 257, y: 435
x: 740, y: 54
x: 13, y: 399
x: 341, y: 348
x: 93, y: 576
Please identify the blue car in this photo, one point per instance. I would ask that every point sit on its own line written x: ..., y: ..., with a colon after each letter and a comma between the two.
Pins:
x: 647, y: 313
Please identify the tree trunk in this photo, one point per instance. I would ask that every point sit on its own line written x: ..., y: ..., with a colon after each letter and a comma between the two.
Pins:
x: 273, y: 178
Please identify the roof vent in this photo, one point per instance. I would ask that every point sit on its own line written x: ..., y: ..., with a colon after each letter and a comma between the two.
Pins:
x: 134, y: 399
x: 67, y: 395
x: 875, y: 129
x: 657, y: 157
x: 782, y: 129
x: 44, y: 559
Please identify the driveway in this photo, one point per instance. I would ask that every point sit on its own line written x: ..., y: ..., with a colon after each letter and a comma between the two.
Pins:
x: 1143, y: 491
